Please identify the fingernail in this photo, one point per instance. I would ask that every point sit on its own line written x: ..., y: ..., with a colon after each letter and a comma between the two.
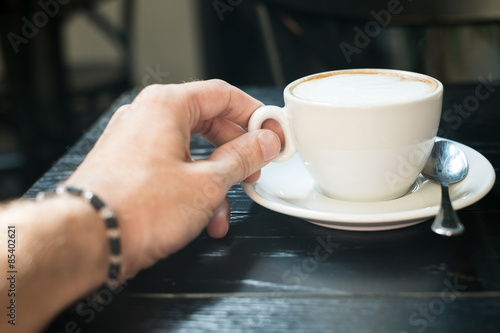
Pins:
x: 269, y: 145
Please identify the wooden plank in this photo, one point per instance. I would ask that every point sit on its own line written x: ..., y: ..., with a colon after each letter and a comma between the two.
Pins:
x: 303, y: 313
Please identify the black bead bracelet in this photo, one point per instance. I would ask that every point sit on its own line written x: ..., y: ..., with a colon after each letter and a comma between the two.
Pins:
x: 113, y: 231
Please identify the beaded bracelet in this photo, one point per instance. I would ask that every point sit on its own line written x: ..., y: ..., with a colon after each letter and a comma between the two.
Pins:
x: 113, y: 231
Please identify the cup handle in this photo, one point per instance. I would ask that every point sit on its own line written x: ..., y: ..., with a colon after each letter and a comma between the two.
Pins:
x: 274, y: 112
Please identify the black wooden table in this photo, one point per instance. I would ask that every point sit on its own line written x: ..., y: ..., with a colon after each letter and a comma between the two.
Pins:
x: 276, y: 273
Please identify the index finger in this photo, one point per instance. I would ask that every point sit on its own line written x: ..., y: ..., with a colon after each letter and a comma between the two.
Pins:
x: 217, y: 98
x: 198, y: 101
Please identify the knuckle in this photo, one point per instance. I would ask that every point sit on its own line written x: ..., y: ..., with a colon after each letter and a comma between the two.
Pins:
x: 121, y: 110
x: 159, y: 93
x: 151, y: 90
x: 219, y: 83
x: 241, y: 166
x: 119, y: 114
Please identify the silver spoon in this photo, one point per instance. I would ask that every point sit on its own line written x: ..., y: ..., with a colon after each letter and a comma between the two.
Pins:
x: 446, y: 164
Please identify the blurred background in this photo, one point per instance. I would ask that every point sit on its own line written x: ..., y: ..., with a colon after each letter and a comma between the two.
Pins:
x: 63, y: 62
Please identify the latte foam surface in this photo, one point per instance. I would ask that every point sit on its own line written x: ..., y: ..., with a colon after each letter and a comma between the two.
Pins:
x: 362, y: 89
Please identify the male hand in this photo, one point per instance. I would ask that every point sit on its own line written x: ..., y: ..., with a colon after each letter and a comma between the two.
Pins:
x: 142, y: 168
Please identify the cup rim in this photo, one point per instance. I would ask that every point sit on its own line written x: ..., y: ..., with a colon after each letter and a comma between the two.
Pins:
x: 287, y: 94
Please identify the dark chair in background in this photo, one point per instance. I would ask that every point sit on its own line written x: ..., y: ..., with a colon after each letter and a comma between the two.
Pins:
x: 45, y: 101
x: 449, y: 39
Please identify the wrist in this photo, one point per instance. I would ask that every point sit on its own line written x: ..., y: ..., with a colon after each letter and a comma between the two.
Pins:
x: 61, y: 255
x: 80, y: 241
x: 108, y: 218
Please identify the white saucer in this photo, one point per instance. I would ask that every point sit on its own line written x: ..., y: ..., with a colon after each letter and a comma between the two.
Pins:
x: 287, y: 188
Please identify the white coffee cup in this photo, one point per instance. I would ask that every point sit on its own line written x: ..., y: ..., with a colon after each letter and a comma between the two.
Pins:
x: 362, y: 134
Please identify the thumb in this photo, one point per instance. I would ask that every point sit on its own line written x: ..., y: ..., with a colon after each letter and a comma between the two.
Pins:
x: 246, y: 154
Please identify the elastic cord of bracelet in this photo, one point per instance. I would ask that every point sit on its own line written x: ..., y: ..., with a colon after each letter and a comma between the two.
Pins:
x: 113, y: 231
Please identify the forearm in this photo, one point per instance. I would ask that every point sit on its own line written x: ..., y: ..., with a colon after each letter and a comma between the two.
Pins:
x: 61, y: 254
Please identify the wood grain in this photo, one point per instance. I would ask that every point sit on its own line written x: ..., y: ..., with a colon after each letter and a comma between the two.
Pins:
x: 277, y: 273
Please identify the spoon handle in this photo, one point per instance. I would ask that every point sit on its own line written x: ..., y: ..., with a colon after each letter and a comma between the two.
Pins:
x: 446, y: 221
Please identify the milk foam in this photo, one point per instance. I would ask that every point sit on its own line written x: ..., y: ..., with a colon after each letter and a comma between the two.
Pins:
x: 362, y: 89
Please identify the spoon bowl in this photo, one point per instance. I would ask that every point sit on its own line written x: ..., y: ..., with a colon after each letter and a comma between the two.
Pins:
x: 447, y: 164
